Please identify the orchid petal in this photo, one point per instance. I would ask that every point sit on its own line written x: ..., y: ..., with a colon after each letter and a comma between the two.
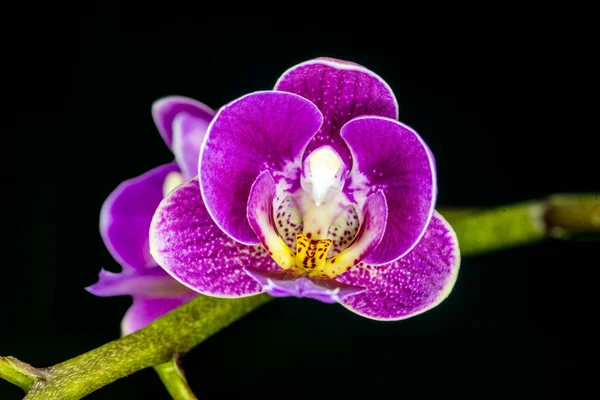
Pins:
x: 260, y: 131
x: 411, y: 285
x: 188, y: 135
x: 145, y: 310
x: 166, y: 109
x: 286, y: 284
x: 391, y: 156
x: 149, y: 282
x: 192, y: 249
x: 342, y: 90
x: 126, y: 214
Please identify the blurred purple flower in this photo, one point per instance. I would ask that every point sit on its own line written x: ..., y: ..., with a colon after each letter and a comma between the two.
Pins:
x: 127, y: 212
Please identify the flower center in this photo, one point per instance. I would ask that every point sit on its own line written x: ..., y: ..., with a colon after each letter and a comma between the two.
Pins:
x: 324, y: 253
x: 313, y: 231
x: 311, y: 254
x: 310, y: 258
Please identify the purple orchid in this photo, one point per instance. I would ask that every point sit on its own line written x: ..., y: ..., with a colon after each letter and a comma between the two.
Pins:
x: 127, y: 212
x: 312, y: 190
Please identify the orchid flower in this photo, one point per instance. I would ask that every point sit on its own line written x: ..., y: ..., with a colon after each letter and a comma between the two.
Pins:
x: 313, y: 189
x: 126, y: 214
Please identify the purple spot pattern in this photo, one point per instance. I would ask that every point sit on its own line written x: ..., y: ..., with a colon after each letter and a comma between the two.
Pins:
x: 411, y: 285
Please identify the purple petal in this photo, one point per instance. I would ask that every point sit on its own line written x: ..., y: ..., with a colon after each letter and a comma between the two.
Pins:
x: 145, y: 310
x: 411, y: 285
x: 165, y: 110
x: 260, y: 131
x: 391, y: 156
x: 286, y: 284
x: 190, y: 247
x: 126, y: 214
x: 342, y: 91
x: 149, y: 282
x: 188, y: 135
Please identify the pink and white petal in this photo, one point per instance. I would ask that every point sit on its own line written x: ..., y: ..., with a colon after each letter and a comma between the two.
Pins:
x: 342, y: 90
x: 260, y: 217
x: 260, y: 131
x: 369, y: 235
x: 417, y: 282
x: 148, y: 282
x: 165, y: 110
x: 126, y: 214
x: 188, y: 135
x: 288, y: 220
x: 192, y: 249
x: 391, y: 156
x: 145, y: 310
x: 343, y: 229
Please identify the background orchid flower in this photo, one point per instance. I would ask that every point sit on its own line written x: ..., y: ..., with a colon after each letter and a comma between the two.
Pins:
x: 312, y: 190
x: 126, y: 214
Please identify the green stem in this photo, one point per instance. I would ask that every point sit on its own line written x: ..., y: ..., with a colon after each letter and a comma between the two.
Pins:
x: 485, y: 231
x: 176, y: 332
x: 478, y: 231
x: 573, y: 213
x: 491, y: 230
x: 19, y: 373
x: 172, y: 377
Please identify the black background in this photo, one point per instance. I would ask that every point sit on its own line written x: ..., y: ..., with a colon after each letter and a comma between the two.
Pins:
x: 499, y: 104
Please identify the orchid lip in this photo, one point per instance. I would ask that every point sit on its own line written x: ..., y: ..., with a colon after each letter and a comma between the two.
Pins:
x: 289, y: 284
